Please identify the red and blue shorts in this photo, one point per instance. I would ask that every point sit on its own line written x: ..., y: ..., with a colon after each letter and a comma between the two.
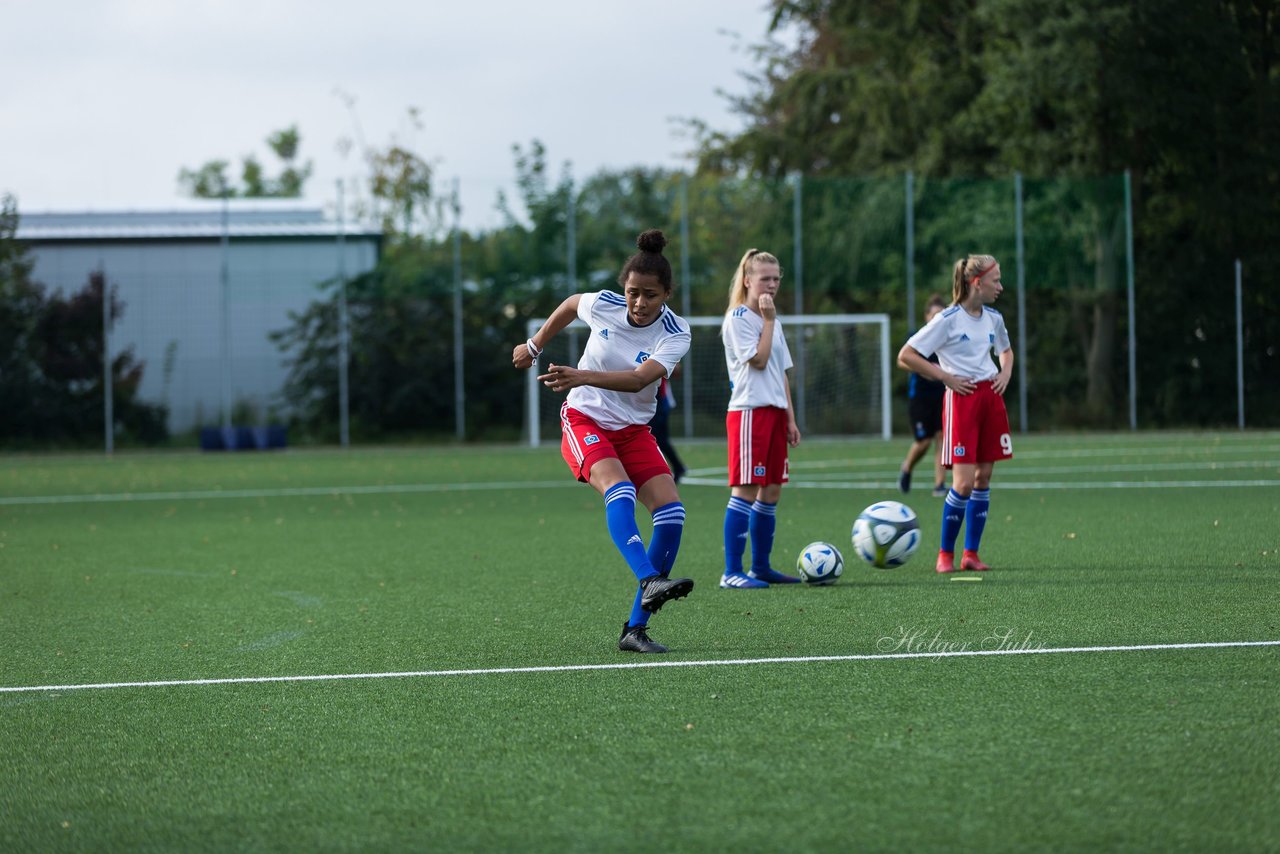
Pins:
x: 975, y: 427
x: 757, y: 446
x: 583, y: 443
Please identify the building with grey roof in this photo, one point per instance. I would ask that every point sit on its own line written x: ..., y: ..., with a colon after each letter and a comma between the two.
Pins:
x: 167, y: 269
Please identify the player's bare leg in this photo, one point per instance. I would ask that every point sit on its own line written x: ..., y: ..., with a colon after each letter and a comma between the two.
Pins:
x: 915, y: 453
x: 939, y: 472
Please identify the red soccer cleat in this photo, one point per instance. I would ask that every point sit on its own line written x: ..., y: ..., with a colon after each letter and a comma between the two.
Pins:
x: 970, y: 561
x: 946, y: 562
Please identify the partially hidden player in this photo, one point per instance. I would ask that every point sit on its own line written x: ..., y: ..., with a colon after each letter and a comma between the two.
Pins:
x: 760, y: 423
x: 975, y: 424
x: 925, y: 409
x: 635, y: 341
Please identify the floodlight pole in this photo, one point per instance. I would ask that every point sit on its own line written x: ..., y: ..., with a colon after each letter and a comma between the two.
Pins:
x: 797, y: 228
x: 1133, y: 338
x: 224, y: 280
x: 459, y: 391
x: 686, y: 301
x: 1022, y: 304
x: 571, y: 249
x: 108, y: 390
x: 911, y: 251
x: 344, y: 330
x: 1239, y: 346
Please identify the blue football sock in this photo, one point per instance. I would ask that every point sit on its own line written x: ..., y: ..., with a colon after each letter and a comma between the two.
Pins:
x: 668, y: 526
x: 620, y: 515
x: 975, y: 518
x: 737, y: 520
x: 952, y: 517
x: 764, y: 520
x: 639, y: 616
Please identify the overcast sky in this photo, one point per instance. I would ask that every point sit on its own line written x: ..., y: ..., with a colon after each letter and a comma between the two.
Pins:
x: 102, y: 102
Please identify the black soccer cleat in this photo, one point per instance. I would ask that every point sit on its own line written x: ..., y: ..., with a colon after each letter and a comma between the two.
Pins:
x: 636, y: 639
x: 657, y: 589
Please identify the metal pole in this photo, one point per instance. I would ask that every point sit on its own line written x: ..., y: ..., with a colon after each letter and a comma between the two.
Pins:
x: 531, y: 394
x: 911, y: 251
x: 1239, y: 346
x: 108, y: 390
x: 1022, y: 304
x: 225, y: 280
x: 344, y: 331
x: 686, y: 301
x: 797, y: 229
x: 571, y: 261
x: 1133, y: 338
x: 459, y: 390
x: 886, y: 403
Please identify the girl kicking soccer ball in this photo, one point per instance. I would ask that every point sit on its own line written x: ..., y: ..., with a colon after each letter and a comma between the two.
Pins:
x: 635, y: 342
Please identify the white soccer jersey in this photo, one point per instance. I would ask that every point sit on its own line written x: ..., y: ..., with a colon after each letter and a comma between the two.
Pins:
x: 964, y: 343
x: 616, y: 345
x: 748, y: 387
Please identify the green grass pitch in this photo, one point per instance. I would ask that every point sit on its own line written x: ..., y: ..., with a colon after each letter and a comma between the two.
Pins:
x: 435, y: 563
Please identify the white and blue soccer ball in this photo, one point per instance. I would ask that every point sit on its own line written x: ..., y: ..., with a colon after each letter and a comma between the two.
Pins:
x: 886, y: 534
x: 820, y: 563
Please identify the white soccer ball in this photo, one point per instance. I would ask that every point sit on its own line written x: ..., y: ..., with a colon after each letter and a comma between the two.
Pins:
x: 886, y: 534
x: 820, y: 563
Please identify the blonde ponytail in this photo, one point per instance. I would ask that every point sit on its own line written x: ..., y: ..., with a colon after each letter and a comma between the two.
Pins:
x: 965, y: 271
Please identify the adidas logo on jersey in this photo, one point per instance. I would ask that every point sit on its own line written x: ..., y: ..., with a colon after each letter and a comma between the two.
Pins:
x: 964, y: 336
x: 604, y: 333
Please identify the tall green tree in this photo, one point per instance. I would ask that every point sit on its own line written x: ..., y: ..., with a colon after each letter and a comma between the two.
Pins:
x: 401, y: 316
x: 51, y: 367
x: 21, y: 303
x: 401, y: 184
x: 69, y: 347
x: 1184, y: 95
x: 210, y: 181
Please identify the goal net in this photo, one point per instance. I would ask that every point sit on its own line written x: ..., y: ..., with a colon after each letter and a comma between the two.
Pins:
x: 839, y: 384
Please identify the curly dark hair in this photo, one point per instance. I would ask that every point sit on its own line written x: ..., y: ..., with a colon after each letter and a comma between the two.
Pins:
x: 649, y: 260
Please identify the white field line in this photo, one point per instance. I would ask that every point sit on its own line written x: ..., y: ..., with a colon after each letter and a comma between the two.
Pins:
x: 690, y: 480
x: 715, y: 477
x: 645, y: 665
x: 1074, y: 453
x: 885, y: 485
x: 1013, y: 469
x: 282, y: 492
x: 1009, y: 470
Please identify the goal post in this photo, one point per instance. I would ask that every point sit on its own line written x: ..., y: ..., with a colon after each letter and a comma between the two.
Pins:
x: 840, y: 383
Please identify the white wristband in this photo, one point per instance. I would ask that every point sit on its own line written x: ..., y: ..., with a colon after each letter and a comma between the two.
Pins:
x: 534, y: 350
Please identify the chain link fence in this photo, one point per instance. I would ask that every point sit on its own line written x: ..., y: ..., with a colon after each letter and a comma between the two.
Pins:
x: 242, y: 319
